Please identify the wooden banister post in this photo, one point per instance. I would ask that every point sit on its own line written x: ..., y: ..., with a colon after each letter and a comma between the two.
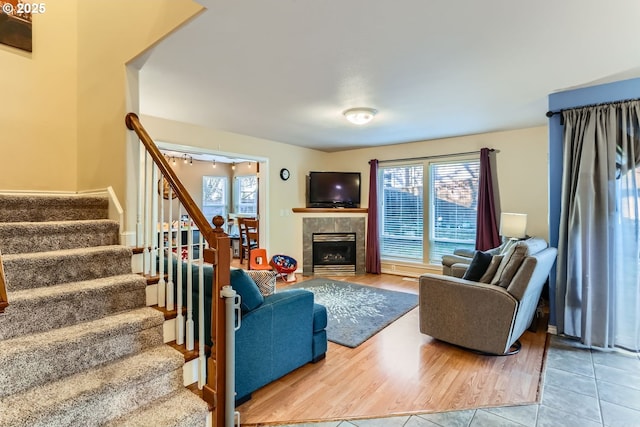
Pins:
x: 4, y: 300
x: 214, y: 391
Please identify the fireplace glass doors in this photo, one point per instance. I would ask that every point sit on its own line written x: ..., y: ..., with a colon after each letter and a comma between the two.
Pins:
x: 334, y: 253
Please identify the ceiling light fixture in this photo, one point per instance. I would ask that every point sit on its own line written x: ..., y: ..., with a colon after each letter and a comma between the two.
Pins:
x: 360, y: 116
x: 233, y: 166
x: 214, y: 163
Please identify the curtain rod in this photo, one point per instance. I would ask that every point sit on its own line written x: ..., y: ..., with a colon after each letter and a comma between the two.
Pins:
x: 550, y: 113
x: 437, y: 156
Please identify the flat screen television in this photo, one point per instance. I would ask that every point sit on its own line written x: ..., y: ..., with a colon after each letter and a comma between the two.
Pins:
x: 333, y: 190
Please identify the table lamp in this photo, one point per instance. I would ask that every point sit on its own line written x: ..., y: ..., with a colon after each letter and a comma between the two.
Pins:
x: 513, y: 226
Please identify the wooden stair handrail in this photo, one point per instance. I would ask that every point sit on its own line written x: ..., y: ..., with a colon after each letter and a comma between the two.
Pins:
x: 133, y: 123
x: 4, y: 300
x: 214, y: 389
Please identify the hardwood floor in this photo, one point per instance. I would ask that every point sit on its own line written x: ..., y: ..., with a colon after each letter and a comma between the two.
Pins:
x: 397, y: 371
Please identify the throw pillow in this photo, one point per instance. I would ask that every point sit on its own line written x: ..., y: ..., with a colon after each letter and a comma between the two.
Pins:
x: 478, y: 266
x: 510, y: 264
x: 265, y: 279
x: 491, y: 270
x: 250, y: 295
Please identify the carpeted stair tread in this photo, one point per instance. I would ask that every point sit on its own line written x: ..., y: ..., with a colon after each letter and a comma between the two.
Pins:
x: 181, y: 409
x: 53, y: 207
x: 78, y: 346
x: 23, y: 237
x: 93, y: 397
x: 29, y: 360
x: 70, y: 303
x: 40, y: 269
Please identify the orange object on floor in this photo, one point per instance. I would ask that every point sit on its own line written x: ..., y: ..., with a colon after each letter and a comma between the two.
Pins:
x: 258, y: 259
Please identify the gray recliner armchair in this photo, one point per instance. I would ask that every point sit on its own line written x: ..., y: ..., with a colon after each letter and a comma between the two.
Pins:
x: 487, y: 317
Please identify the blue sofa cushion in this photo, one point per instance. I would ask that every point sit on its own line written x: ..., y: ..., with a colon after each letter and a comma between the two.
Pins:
x: 319, y: 317
x: 250, y: 296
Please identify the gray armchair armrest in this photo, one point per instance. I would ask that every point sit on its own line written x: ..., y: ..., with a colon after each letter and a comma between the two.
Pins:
x: 465, y: 313
x: 449, y: 260
x: 466, y: 253
x: 458, y: 269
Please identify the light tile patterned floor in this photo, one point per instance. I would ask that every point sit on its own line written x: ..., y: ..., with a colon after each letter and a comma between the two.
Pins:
x: 581, y: 388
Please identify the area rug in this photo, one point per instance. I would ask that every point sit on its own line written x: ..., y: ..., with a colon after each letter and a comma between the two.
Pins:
x: 355, y: 312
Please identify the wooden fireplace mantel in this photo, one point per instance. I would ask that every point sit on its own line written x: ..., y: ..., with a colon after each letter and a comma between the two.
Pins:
x: 330, y: 210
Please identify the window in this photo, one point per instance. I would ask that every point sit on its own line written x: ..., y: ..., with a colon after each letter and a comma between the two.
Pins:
x: 214, y: 196
x: 452, y: 193
x: 402, y: 212
x: 245, y: 194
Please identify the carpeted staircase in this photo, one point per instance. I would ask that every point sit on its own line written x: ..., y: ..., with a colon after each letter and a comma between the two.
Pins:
x: 78, y: 346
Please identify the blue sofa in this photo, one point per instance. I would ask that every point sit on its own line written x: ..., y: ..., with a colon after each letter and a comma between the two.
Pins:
x: 279, y: 333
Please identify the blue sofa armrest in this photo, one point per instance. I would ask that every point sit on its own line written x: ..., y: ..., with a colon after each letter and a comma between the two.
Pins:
x: 274, y: 339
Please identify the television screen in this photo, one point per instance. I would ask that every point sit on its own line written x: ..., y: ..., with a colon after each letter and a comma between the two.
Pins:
x: 334, y: 189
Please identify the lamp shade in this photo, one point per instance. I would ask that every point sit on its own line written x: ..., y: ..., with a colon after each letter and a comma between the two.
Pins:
x: 513, y: 225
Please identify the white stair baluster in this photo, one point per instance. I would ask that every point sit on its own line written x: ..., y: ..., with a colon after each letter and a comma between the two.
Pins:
x: 159, y: 237
x: 141, y: 185
x: 202, y: 360
x: 170, y: 288
x: 190, y: 330
x: 179, y: 316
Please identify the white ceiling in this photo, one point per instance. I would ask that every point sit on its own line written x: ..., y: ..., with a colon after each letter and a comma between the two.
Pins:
x: 285, y: 70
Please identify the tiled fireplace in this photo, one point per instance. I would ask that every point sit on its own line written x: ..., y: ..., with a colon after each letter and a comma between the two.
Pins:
x: 333, y: 246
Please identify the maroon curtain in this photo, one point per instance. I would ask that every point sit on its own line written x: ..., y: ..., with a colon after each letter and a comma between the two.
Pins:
x: 487, y: 235
x: 373, y: 243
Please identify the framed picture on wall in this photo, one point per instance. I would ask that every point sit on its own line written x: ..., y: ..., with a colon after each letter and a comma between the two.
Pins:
x: 15, y: 23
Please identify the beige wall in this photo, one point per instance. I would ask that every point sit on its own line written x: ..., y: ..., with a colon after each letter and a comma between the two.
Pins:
x: 38, y: 106
x: 63, y: 120
x: 191, y: 177
x: 63, y: 105
x: 521, y: 169
x: 114, y: 33
x: 283, y: 232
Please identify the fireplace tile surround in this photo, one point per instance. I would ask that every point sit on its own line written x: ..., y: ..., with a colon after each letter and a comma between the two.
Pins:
x: 332, y: 225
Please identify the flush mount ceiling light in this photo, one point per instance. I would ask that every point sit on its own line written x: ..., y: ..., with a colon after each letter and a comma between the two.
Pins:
x: 360, y: 116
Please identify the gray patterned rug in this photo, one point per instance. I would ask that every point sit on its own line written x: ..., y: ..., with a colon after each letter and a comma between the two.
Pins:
x: 356, y: 312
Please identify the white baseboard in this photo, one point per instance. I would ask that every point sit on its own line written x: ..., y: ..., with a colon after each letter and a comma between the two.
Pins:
x: 552, y: 330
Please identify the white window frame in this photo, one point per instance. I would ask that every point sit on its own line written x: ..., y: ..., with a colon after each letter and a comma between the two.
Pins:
x: 211, y: 208
x: 244, y: 208
x: 463, y: 207
x: 408, y: 245
x: 433, y: 246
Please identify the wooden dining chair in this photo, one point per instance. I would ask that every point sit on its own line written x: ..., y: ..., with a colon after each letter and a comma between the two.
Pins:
x: 249, y: 236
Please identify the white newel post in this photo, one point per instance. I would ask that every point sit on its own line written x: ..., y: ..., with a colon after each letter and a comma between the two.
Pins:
x: 232, y: 312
